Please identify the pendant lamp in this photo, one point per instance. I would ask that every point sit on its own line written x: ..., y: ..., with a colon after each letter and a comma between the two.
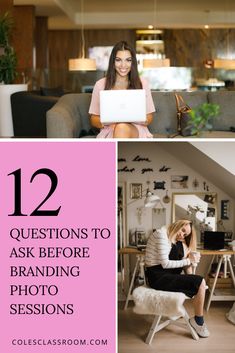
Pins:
x: 228, y: 64
x: 225, y: 63
x: 82, y: 64
x: 155, y: 62
x: 152, y: 63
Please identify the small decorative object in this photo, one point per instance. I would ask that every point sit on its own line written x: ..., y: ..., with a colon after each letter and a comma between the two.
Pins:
x: 195, y: 183
x: 136, y: 191
x: 179, y: 181
x: 225, y: 209
x: 164, y: 169
x: 228, y: 236
x: 140, y: 211
x: 141, y: 159
x: 209, y: 198
x: 159, y: 185
x: 132, y: 237
x: 220, y: 226
x: 201, y: 118
x: 166, y: 198
x: 210, y: 212
x: 205, y: 186
x: 126, y: 169
x: 193, y: 210
x: 182, y: 116
x: 121, y: 159
x: 145, y: 170
x: 120, y: 198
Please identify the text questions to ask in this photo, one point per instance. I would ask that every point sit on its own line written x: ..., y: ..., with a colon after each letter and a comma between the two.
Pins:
x: 27, y: 243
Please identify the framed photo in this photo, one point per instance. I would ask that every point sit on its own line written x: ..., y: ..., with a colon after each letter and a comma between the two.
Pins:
x: 225, y: 209
x: 141, y: 239
x: 136, y: 191
x: 179, y: 181
x: 210, y: 198
x: 137, y: 237
x: 210, y: 212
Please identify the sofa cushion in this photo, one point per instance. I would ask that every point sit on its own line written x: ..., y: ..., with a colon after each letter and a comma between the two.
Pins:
x: 226, y: 101
x: 164, y: 121
x: 165, y: 118
x: 70, y: 117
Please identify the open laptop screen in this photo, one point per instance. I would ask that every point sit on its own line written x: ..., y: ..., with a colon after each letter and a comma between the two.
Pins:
x: 213, y: 240
x: 124, y: 106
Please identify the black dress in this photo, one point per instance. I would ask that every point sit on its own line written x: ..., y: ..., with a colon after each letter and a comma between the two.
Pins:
x: 171, y: 279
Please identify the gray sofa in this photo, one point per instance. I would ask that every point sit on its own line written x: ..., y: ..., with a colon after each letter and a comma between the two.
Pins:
x: 69, y: 117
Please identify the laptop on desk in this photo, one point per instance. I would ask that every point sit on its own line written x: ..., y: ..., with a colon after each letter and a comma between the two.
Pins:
x: 213, y: 240
x: 123, y: 106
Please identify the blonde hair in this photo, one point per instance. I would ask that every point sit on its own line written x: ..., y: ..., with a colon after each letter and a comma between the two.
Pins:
x: 174, y: 228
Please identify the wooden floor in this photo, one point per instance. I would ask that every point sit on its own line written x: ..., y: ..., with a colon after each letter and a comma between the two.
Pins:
x: 133, y: 328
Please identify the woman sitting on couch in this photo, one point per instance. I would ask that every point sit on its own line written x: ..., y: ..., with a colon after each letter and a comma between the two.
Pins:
x: 122, y: 74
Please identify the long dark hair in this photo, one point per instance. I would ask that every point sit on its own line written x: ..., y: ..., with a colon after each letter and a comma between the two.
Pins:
x: 134, y: 80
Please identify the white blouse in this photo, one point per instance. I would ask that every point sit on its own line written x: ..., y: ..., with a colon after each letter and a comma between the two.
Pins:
x: 158, y: 249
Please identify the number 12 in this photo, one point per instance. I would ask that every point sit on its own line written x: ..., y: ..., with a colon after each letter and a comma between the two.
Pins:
x: 37, y: 212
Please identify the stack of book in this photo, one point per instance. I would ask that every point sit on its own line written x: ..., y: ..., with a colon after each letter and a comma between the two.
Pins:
x: 221, y: 282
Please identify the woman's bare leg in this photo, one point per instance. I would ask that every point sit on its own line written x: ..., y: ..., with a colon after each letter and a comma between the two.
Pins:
x: 125, y: 130
x: 199, y: 298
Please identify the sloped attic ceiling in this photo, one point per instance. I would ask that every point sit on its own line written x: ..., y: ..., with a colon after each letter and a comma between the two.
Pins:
x: 202, y: 164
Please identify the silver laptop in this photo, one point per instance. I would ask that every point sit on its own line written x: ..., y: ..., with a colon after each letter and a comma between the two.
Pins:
x: 124, y: 106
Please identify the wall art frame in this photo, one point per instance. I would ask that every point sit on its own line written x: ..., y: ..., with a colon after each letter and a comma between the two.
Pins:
x: 225, y: 209
x: 135, y: 191
x: 179, y: 181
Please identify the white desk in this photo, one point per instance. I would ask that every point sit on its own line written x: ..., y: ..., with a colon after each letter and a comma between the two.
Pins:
x: 215, y: 294
x: 139, y: 263
x: 223, y: 294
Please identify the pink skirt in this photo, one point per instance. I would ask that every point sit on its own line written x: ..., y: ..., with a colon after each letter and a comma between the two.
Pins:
x: 107, y: 131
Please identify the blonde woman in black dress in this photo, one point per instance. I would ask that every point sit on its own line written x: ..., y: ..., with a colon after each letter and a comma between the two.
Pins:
x: 168, y: 253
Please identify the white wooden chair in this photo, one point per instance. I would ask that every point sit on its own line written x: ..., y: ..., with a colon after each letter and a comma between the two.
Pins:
x: 167, y: 307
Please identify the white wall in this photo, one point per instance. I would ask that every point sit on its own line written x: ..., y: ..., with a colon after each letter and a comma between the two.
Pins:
x: 159, y: 157
x: 222, y: 153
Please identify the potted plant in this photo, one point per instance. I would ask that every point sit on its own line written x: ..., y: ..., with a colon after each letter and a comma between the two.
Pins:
x: 8, y: 60
x: 200, y: 118
x: 8, y: 73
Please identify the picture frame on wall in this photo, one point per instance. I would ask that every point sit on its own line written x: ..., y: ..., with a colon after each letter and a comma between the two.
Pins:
x: 141, y: 239
x: 210, y: 199
x: 179, y: 181
x: 136, y: 191
x: 225, y: 209
x: 210, y: 212
x: 137, y: 237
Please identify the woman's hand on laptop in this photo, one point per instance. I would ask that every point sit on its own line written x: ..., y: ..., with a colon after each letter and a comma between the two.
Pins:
x: 149, y: 119
x: 95, y: 121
